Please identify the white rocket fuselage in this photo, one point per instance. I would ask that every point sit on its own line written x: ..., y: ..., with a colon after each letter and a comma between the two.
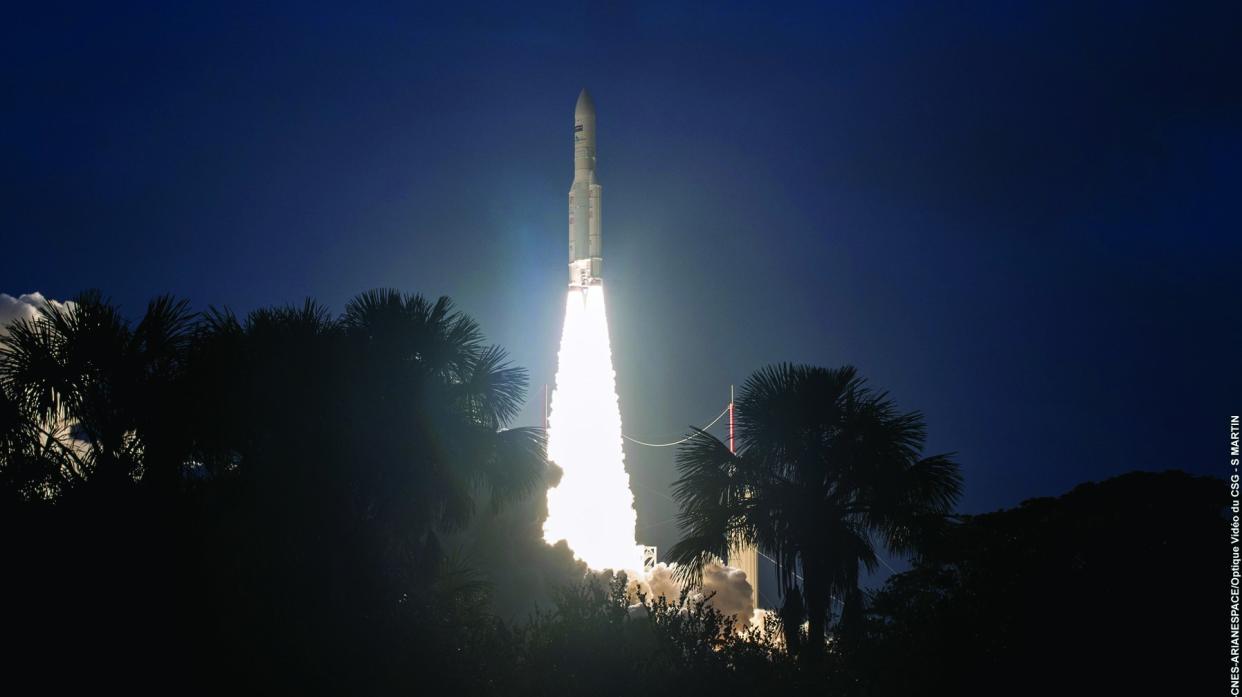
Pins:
x: 585, y: 235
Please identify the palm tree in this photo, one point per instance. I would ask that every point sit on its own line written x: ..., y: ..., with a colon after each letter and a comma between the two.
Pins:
x: 98, y: 392
x: 377, y: 430
x: 30, y: 463
x: 452, y: 395
x: 340, y: 448
x: 827, y: 471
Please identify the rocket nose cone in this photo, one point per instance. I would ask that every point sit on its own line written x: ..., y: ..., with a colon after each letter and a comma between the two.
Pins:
x: 585, y: 106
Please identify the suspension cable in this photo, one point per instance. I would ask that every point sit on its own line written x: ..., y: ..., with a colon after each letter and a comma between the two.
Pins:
x: 683, y: 440
x: 699, y: 433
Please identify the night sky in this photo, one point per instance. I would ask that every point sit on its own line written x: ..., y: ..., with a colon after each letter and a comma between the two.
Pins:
x: 1021, y: 220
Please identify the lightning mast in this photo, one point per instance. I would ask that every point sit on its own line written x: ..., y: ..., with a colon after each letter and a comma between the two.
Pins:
x: 744, y: 557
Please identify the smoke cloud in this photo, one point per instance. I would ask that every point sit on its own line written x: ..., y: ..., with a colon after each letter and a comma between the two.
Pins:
x: 724, y: 588
x: 592, y: 507
x: 506, y: 547
x: 728, y: 590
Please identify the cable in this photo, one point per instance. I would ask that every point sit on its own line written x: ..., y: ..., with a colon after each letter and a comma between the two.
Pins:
x: 665, y: 522
x: 654, y: 491
x: 656, y: 525
x: 678, y: 442
x: 795, y: 573
x: 764, y: 599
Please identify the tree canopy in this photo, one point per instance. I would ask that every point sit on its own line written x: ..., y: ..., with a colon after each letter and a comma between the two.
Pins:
x: 296, y: 501
x: 827, y: 468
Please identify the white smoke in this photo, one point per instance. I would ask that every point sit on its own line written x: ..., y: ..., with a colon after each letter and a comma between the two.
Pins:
x: 724, y: 588
x: 764, y: 624
x: 24, y: 307
x: 660, y: 583
x: 592, y: 507
x: 728, y: 590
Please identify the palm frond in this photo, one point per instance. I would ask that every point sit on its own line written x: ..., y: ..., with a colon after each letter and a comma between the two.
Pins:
x: 707, y: 470
x: 31, y: 368
x: 369, y: 308
x: 711, y: 494
x: 164, y: 330
x: 219, y: 321
x: 492, y: 388
x: 447, y: 340
x: 936, y: 483
x: 515, y: 465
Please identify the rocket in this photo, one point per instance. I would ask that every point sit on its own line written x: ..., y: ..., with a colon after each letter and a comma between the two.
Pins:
x: 585, y: 236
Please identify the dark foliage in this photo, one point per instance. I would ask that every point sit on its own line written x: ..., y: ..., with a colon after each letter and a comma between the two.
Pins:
x: 598, y: 641
x: 826, y: 470
x: 278, y: 504
x: 1100, y: 589
x: 254, y: 501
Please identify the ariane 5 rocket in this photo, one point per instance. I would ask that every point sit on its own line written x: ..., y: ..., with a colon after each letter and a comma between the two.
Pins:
x: 585, y: 236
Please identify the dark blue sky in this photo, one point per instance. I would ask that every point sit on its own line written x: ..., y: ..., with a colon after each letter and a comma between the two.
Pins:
x: 1020, y: 219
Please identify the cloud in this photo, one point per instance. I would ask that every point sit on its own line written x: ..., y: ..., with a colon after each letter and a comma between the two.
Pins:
x: 23, y: 307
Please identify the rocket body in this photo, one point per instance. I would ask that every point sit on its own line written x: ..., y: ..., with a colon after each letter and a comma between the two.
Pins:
x: 585, y: 234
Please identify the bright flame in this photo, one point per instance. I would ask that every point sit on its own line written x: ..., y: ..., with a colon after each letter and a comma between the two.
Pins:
x: 592, y: 508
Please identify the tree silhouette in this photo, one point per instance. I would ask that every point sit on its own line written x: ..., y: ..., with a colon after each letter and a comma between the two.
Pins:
x: 96, y: 395
x: 278, y: 502
x: 826, y: 470
x: 347, y: 446
x: 1109, y: 574
x: 276, y: 482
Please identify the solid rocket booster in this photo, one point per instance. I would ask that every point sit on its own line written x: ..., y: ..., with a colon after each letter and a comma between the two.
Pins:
x: 585, y: 250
